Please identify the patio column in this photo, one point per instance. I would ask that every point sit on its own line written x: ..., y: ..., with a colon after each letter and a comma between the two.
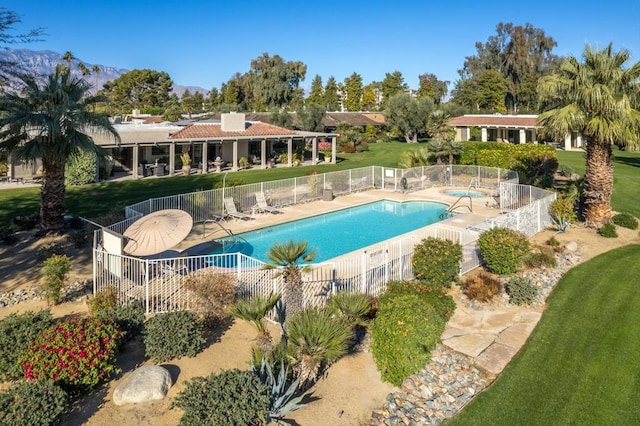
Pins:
x: 484, y: 134
x: 205, y: 156
x: 172, y: 159
x: 11, y: 173
x: 534, y: 136
x: 333, y: 150
x: 289, y: 151
x: 468, y: 133
x: 579, y: 141
x: 263, y: 153
x: 567, y: 142
x: 136, y: 161
x: 314, y: 151
x: 523, y: 136
x: 234, y: 168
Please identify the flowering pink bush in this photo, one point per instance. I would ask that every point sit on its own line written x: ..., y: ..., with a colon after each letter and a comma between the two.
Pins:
x: 76, y: 353
x: 324, y: 147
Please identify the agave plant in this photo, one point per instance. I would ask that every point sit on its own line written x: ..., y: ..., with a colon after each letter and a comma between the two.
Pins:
x: 254, y: 310
x: 353, y: 307
x: 282, y: 393
x: 317, y: 338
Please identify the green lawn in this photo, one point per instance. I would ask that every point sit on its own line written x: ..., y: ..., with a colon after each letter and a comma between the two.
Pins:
x: 94, y: 200
x: 626, y: 167
x: 581, y: 363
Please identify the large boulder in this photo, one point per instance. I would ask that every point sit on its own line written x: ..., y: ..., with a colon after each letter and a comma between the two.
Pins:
x: 147, y: 383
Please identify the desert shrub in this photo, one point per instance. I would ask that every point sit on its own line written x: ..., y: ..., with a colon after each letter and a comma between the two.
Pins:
x: 503, y: 249
x: 32, y: 402
x: 233, y: 398
x: 355, y: 308
x: 562, y: 213
x: 17, y: 331
x: 608, y: 230
x: 522, y: 291
x: 173, y: 335
x: 565, y: 170
x: 553, y: 242
x: 129, y: 319
x: 103, y: 300
x: 77, y: 353
x: 625, y: 220
x: 482, y: 287
x: 8, y: 235
x: 539, y: 259
x: 403, y: 334
x: 55, y: 270
x: 80, y: 169
x: 317, y: 338
x: 213, y: 292
x: 437, y: 297
x: 26, y: 222
x: 437, y: 261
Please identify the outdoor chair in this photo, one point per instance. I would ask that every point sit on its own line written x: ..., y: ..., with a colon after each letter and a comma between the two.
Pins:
x: 262, y: 205
x: 231, y: 210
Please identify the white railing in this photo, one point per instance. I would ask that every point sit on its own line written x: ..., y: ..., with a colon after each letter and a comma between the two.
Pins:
x: 159, y: 283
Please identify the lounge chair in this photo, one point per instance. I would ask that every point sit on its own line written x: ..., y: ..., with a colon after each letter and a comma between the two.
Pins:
x: 262, y: 205
x: 231, y: 210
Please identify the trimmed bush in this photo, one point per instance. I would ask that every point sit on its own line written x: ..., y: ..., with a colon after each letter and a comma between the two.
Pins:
x: 503, y: 249
x: 55, y: 270
x: 436, y: 261
x: 103, y: 300
x: 173, y: 335
x: 32, y: 402
x: 77, y: 353
x: 17, y: 332
x: 608, y: 230
x: 522, y: 291
x: 625, y: 220
x: 80, y: 169
x: 482, y: 287
x: 213, y: 294
x: 434, y: 296
x: 129, y: 319
x: 231, y: 398
x: 404, y: 333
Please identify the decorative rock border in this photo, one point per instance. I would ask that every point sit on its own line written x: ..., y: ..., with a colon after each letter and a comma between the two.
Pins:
x: 72, y: 291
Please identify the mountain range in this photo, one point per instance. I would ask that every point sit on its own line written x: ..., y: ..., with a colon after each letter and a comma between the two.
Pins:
x: 44, y: 62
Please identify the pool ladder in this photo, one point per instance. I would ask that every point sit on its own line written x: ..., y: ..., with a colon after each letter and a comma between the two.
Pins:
x: 473, y: 183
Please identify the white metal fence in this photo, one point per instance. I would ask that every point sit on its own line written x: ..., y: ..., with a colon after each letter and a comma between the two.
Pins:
x: 159, y: 283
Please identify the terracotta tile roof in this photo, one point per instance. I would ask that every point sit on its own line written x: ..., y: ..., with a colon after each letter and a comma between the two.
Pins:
x: 214, y: 131
x: 494, y: 120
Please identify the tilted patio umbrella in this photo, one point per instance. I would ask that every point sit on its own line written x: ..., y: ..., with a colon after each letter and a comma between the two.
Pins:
x: 157, y: 232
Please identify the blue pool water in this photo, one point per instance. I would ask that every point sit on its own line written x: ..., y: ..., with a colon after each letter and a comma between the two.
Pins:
x: 461, y: 192
x: 336, y: 233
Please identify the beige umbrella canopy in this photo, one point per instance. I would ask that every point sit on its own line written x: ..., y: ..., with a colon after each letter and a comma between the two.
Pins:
x: 157, y: 232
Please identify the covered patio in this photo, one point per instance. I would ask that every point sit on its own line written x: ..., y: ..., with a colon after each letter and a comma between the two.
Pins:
x: 513, y: 129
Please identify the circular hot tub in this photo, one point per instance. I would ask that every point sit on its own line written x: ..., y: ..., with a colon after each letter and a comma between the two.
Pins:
x: 464, y: 193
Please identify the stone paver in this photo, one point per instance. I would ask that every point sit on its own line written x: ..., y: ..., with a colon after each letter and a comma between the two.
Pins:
x: 472, y: 344
x: 516, y: 335
x: 496, y: 357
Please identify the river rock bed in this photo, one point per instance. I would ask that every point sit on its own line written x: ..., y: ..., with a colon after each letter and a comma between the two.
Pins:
x: 73, y: 291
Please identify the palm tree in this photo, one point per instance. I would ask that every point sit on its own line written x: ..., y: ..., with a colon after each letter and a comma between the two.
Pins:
x: 415, y: 158
x: 51, y: 121
x: 254, y: 310
x: 594, y: 98
x: 95, y: 70
x: 289, y: 256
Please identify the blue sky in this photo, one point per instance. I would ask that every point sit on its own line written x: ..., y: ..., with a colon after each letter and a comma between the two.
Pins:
x: 204, y: 43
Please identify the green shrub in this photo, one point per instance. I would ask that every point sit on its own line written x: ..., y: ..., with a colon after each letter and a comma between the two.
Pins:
x: 32, y: 402
x: 562, y: 213
x: 355, y: 308
x: 129, y: 319
x: 522, y: 291
x: 608, y: 230
x: 565, y: 170
x: 437, y: 297
x: 80, y: 169
x: 77, y: 353
x: 17, y: 331
x: 437, y: 261
x: 213, y: 293
x: 539, y: 259
x: 403, y: 334
x: 625, y: 220
x: 103, y: 300
x: 553, y: 242
x: 231, y: 398
x: 482, y: 287
x: 55, y: 270
x: 503, y: 249
x: 173, y: 335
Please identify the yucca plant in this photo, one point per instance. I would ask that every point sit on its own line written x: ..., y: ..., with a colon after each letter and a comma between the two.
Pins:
x: 282, y: 392
x: 254, y: 310
x: 317, y: 338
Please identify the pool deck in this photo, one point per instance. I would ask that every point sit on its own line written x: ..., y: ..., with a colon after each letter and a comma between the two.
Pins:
x: 201, y: 236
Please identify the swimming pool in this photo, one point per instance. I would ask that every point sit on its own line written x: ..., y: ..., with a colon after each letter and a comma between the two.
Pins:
x: 336, y: 233
x: 464, y: 192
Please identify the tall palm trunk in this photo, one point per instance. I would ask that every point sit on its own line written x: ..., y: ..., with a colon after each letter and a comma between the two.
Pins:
x: 293, y: 292
x: 598, y: 184
x: 52, y: 206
